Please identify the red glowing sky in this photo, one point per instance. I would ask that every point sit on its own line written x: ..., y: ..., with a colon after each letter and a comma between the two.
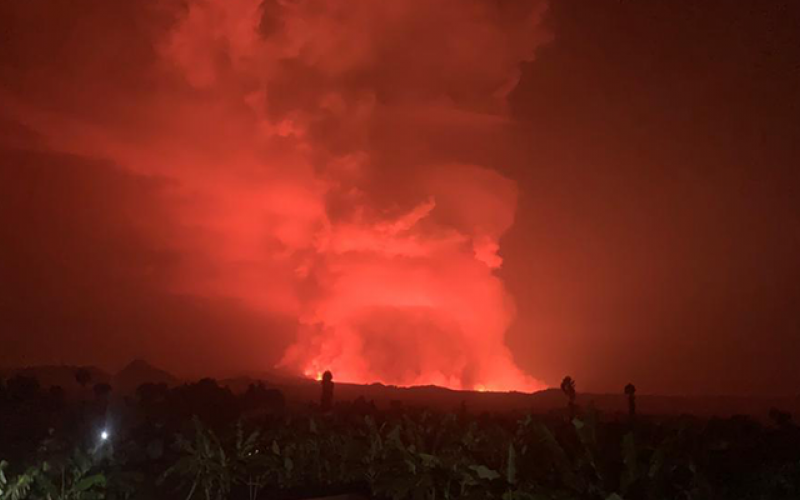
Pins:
x: 483, y: 195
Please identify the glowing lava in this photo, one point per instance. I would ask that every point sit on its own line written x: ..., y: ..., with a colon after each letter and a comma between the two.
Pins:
x: 410, y: 302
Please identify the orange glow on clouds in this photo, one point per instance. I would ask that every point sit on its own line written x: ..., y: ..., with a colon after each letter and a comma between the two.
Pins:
x: 265, y: 116
x: 408, y: 304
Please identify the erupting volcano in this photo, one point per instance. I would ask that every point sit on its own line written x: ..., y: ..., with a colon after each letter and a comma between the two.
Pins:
x: 410, y: 302
x: 321, y: 161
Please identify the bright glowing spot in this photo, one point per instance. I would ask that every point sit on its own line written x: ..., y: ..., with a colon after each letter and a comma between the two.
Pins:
x: 104, y: 435
x: 312, y: 373
x: 480, y: 388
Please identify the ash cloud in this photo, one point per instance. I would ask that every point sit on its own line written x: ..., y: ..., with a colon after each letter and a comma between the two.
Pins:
x: 316, y: 167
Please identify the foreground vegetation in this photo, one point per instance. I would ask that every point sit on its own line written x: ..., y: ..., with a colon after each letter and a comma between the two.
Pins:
x: 200, y: 441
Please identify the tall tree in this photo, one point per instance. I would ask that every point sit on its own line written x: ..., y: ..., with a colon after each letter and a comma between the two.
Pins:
x: 630, y: 391
x: 327, y: 391
x: 568, y: 388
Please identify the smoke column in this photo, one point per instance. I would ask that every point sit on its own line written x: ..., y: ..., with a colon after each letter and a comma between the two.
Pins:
x: 303, y: 141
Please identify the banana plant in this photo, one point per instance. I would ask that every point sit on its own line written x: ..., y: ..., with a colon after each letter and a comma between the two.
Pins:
x: 204, y: 465
x: 17, y: 487
x: 75, y: 481
x: 71, y: 480
x: 250, y: 463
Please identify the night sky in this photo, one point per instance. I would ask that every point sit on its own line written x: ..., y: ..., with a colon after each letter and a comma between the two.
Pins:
x: 471, y: 193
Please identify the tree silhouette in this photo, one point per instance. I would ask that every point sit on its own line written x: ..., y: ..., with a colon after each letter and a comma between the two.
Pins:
x: 568, y: 388
x: 780, y: 418
x: 102, y: 390
x: 630, y: 391
x: 83, y: 377
x: 22, y: 388
x: 327, y: 391
x: 150, y: 393
x: 258, y: 396
x: 57, y: 395
x: 214, y: 404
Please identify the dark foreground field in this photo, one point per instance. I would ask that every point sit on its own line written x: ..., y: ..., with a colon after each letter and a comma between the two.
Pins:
x: 204, y: 441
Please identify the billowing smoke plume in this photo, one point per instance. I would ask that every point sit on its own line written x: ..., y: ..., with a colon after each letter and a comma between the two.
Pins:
x: 316, y: 151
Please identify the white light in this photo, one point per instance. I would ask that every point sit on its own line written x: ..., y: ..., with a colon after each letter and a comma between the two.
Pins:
x: 104, y: 435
